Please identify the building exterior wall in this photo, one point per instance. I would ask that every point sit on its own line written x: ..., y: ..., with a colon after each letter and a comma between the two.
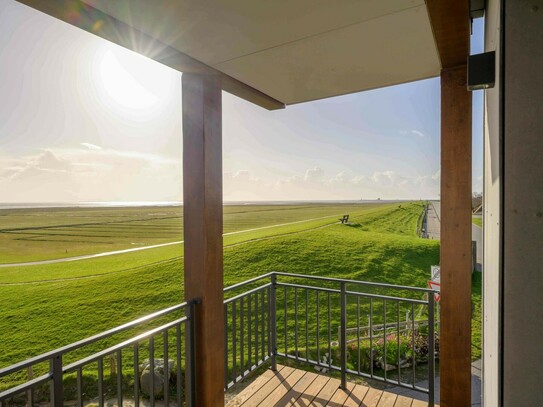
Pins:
x: 513, y: 217
x: 523, y: 203
x: 492, y: 219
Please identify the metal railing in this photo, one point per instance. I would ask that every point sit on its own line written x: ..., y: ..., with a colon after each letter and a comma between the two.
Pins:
x: 78, y: 372
x: 352, y: 327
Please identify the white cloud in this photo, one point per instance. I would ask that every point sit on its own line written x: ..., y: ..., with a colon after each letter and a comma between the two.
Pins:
x: 91, y: 146
x: 414, y: 132
x: 89, y: 175
x: 316, y: 185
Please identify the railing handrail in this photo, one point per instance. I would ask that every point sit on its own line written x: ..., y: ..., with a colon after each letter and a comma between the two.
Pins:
x: 331, y: 279
x: 358, y: 282
x: 87, y: 341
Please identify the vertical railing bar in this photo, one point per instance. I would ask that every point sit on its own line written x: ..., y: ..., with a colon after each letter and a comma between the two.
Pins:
x: 179, y: 359
x: 256, y: 328
x: 318, y: 328
x: 329, y: 333
x: 190, y: 358
x: 242, y: 335
x: 296, y: 321
x: 273, y: 321
x: 30, y: 392
x: 343, y: 339
x: 234, y: 341
x: 225, y: 346
x: 262, y: 326
x: 120, y: 377
x: 152, y: 369
x: 358, y: 330
x: 385, y: 336
x: 307, y: 325
x: 414, y: 361
x: 268, y: 321
x: 431, y: 350
x: 136, y: 375
x: 371, y: 337
x: 250, y: 333
x: 100, y: 382
x: 57, y: 389
x: 79, y: 387
x: 166, y: 370
x: 285, y: 321
x: 398, y: 340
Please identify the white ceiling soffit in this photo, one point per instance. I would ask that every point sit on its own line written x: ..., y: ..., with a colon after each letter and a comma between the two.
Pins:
x: 294, y: 50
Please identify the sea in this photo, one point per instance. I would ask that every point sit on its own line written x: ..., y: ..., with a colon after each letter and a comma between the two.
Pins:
x: 29, y: 205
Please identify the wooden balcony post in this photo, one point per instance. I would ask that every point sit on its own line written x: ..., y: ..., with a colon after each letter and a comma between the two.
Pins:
x: 456, y: 267
x: 202, y: 212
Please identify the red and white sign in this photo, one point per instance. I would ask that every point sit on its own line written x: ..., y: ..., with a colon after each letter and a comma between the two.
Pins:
x: 435, y: 282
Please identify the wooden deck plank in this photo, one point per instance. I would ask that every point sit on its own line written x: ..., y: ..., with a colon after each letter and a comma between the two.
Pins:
x: 403, y: 401
x: 357, y: 395
x: 248, y: 392
x: 298, y: 389
x: 387, y: 399
x: 263, y: 392
x: 283, y: 388
x: 341, y: 396
x: 326, y: 393
x: 311, y: 392
x: 294, y: 387
x: 372, y: 398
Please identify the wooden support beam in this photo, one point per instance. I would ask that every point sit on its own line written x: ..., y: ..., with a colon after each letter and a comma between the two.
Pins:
x: 94, y: 21
x: 456, y: 267
x: 202, y: 213
x: 450, y: 22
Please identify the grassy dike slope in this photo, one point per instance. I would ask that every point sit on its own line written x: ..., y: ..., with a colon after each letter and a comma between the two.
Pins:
x: 39, y: 316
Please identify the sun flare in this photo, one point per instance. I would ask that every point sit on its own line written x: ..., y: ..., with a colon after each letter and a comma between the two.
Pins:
x: 121, y: 86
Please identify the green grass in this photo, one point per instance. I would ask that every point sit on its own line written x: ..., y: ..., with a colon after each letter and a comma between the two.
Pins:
x: 51, y: 233
x: 477, y: 221
x: 45, y: 307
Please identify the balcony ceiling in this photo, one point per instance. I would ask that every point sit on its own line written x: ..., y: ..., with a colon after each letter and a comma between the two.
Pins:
x: 294, y: 51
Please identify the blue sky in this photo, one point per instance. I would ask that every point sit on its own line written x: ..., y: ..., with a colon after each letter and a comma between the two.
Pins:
x: 85, y: 120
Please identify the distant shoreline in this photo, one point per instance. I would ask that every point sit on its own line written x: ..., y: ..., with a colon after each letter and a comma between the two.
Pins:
x: 45, y: 205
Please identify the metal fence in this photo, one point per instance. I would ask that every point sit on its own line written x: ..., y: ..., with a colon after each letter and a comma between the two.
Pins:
x: 377, y: 331
x: 150, y: 365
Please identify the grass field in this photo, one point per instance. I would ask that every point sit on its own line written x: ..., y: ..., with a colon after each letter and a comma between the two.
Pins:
x: 477, y: 221
x: 47, y: 306
x: 51, y: 233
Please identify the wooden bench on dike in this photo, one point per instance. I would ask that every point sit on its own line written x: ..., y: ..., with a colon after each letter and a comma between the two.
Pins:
x: 344, y: 220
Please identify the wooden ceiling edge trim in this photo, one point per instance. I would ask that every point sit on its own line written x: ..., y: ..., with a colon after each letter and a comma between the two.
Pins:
x: 450, y: 22
x: 94, y: 21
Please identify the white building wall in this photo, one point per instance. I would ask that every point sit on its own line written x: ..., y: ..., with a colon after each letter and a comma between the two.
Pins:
x: 491, y: 219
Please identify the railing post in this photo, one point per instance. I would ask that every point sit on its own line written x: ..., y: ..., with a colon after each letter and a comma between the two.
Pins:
x: 190, y: 372
x: 57, y: 390
x: 431, y: 350
x: 343, y: 338
x: 273, y: 321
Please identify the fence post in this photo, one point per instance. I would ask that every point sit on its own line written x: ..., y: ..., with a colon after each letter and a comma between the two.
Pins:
x: 273, y: 322
x: 190, y: 390
x: 57, y: 390
x: 431, y: 350
x: 343, y: 336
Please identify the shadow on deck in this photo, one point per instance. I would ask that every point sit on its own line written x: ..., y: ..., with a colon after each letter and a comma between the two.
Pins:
x: 293, y: 387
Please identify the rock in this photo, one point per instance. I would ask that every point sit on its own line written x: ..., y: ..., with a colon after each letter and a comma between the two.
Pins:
x: 160, y: 377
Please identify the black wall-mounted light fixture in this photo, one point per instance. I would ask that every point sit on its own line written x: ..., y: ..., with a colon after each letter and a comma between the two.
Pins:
x: 481, y: 71
x: 477, y: 8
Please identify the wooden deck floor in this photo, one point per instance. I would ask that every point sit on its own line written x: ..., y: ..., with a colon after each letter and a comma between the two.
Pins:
x: 292, y: 387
